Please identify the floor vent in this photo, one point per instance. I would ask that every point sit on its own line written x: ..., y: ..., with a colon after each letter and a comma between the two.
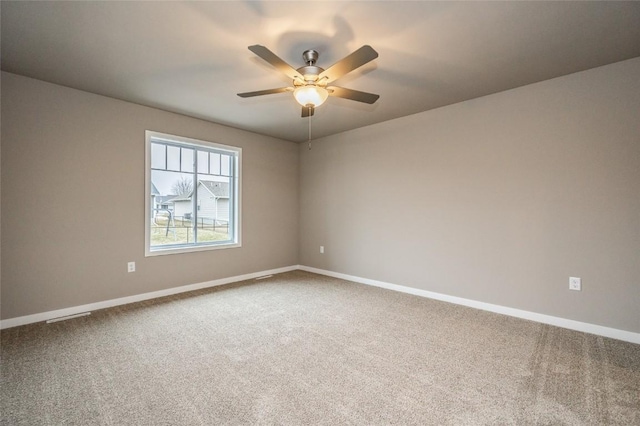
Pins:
x: 84, y: 314
x: 264, y: 277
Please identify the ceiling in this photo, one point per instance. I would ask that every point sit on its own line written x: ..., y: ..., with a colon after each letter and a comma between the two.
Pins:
x: 192, y: 57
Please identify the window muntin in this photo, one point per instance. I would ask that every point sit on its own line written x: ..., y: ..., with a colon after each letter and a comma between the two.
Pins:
x: 198, y: 205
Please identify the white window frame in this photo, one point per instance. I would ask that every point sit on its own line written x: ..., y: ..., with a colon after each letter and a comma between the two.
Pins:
x: 236, y: 240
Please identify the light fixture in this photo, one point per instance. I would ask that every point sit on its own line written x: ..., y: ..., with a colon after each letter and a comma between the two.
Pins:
x: 310, y: 95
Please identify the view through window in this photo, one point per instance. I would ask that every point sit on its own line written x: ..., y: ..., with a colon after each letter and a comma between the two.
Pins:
x: 193, y: 194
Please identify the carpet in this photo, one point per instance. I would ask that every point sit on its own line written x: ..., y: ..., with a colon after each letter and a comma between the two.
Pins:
x: 300, y: 348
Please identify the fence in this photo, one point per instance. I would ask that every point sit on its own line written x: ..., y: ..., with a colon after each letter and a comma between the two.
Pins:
x: 168, y: 229
x: 203, y: 223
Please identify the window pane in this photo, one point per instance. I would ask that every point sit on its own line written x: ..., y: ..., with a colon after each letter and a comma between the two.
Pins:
x: 172, y: 213
x: 224, y: 166
x: 173, y: 158
x: 158, y: 157
x: 203, y: 162
x: 187, y: 160
x: 214, y: 161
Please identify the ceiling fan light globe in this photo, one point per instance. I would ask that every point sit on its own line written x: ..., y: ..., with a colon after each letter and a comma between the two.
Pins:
x: 310, y: 95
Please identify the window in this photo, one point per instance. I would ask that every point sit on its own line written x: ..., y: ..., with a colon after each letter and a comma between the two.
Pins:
x: 192, y: 195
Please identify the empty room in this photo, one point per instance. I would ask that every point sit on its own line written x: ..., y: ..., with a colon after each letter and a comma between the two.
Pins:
x: 354, y: 212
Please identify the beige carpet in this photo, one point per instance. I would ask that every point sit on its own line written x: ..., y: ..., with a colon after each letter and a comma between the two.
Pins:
x: 300, y: 348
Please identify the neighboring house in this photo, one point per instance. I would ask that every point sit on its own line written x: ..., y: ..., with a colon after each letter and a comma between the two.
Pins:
x: 163, y: 202
x: 213, y: 203
x: 159, y: 202
x: 182, y: 206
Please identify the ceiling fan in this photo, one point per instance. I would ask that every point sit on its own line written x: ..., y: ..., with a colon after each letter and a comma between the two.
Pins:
x: 311, y: 83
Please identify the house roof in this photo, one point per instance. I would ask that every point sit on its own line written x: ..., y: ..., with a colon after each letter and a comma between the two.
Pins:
x: 217, y: 189
x: 184, y: 197
x: 154, y: 189
x: 161, y: 199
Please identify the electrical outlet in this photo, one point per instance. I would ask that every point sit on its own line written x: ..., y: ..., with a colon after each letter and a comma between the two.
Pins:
x: 575, y: 283
x: 131, y: 267
x: 321, y: 249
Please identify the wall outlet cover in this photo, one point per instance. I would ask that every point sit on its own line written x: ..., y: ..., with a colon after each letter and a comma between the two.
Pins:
x: 575, y: 283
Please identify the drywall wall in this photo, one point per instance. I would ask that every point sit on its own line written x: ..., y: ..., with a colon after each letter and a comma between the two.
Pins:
x: 73, y: 200
x: 500, y: 199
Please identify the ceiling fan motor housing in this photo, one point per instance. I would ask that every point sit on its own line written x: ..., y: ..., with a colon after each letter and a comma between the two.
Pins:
x: 310, y: 75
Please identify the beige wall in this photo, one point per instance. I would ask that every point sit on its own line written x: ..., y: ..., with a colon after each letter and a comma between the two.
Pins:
x: 499, y: 199
x: 73, y: 200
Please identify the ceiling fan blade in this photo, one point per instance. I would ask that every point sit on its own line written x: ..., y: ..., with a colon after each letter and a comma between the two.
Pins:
x: 307, y: 111
x: 275, y: 60
x: 354, y: 95
x: 349, y: 63
x: 265, y: 92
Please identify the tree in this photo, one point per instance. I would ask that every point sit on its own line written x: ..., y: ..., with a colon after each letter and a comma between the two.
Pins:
x: 183, y: 186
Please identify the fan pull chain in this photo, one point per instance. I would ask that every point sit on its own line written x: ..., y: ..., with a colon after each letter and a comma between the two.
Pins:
x: 309, y: 132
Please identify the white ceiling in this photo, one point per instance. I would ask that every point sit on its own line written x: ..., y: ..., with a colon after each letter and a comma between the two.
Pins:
x: 192, y: 57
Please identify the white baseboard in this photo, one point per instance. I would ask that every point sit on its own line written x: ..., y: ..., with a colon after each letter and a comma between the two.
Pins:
x: 599, y: 330
x: 45, y: 316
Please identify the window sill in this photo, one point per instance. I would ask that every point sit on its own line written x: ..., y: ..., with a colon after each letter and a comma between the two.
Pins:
x: 181, y: 250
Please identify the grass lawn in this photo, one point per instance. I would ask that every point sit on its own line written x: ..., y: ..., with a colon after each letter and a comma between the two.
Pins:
x: 182, y: 233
